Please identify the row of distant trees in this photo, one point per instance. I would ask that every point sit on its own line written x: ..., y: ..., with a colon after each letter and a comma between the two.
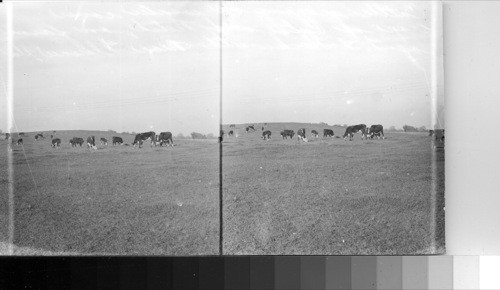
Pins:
x: 193, y: 135
x: 405, y: 128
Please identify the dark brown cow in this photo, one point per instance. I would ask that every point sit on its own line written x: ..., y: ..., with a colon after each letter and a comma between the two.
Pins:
x: 76, y: 141
x: 287, y: 133
x: 117, y: 140
x: 328, y: 133
x: 350, y: 130
x: 140, y: 138
x: 165, y: 138
x: 266, y: 135
x: 56, y: 142
x: 376, y: 130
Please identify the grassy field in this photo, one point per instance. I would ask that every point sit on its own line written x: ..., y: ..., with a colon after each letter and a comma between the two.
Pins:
x: 116, y: 200
x: 331, y: 196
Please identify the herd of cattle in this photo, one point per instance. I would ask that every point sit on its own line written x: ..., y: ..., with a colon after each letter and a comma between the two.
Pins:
x: 373, y: 131
x: 164, y: 138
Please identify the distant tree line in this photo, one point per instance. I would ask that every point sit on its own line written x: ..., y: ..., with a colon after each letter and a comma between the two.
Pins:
x: 408, y: 128
x: 196, y: 135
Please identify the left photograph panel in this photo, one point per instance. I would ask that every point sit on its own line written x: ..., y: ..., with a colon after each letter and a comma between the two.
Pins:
x: 111, y: 147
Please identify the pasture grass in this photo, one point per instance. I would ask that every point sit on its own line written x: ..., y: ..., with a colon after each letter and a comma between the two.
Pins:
x: 330, y: 196
x: 116, y: 200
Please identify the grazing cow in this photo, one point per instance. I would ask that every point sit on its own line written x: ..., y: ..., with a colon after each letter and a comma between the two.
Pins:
x: 232, y: 126
x: 314, y: 133
x: 431, y: 132
x: 165, y: 138
x: 328, y: 133
x: 91, y: 142
x: 56, y: 142
x: 7, y: 136
x: 266, y: 135
x: 350, y: 130
x: 139, y: 138
x: 39, y: 136
x: 20, y: 141
x: 231, y: 133
x: 250, y: 127
x: 76, y: 141
x: 104, y: 141
x: 301, y: 135
x: 439, y: 134
x: 117, y: 140
x: 287, y: 133
x: 376, y: 130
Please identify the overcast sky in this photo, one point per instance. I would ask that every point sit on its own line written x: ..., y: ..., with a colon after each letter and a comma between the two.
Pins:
x: 335, y: 62
x: 156, y: 66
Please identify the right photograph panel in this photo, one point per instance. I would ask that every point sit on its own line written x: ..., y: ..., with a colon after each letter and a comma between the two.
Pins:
x: 332, y: 128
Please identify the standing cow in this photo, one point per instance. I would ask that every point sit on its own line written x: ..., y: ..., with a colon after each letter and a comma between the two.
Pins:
x: 104, y: 141
x: 350, y: 130
x: 231, y: 133
x: 287, y: 133
x: 165, y: 138
x: 301, y: 135
x: 91, y: 142
x: 20, y: 141
x: 266, y: 135
x: 140, y: 138
x: 117, y: 140
x: 328, y: 133
x: 76, y: 141
x: 314, y: 133
x: 56, y: 142
x: 376, y: 130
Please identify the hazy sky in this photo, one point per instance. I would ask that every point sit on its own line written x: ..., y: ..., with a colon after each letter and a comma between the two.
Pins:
x: 335, y: 62
x: 120, y: 66
x: 141, y: 66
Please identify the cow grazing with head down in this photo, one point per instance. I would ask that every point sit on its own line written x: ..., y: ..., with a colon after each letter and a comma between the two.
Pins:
x: 314, y: 133
x: 104, y: 141
x: 287, y: 133
x: 376, y: 130
x: 76, y: 141
x: 328, y: 133
x: 232, y: 126
x: 165, y: 138
x: 20, y: 141
x: 266, y: 135
x: 140, y: 138
x: 350, y: 130
x: 301, y: 135
x: 91, y: 142
x: 117, y: 140
x: 247, y: 129
x: 39, y: 136
x: 231, y: 133
x: 56, y: 142
x: 439, y: 134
